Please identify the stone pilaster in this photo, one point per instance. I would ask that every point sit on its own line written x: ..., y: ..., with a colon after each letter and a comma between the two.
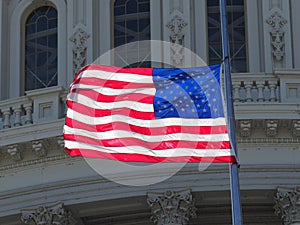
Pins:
x: 171, y: 207
x: 287, y: 205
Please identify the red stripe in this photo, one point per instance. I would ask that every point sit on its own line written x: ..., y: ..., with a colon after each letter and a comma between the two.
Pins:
x: 111, y: 83
x: 147, y: 159
x: 88, y: 111
x: 163, y: 145
x: 145, y: 130
x: 113, y: 69
x: 96, y: 96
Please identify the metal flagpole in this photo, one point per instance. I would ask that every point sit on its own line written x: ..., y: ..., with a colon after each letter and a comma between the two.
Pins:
x: 233, y: 168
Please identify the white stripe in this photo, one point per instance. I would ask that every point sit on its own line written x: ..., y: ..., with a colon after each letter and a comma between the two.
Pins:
x: 127, y: 77
x: 114, y: 92
x: 145, y: 151
x: 145, y: 123
x: 142, y: 107
x: 148, y: 138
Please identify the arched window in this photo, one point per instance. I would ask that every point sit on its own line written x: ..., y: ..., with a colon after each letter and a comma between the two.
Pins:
x: 132, y: 23
x: 236, y: 33
x: 41, y: 48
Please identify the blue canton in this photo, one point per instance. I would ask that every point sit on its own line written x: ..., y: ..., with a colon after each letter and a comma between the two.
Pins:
x: 188, y: 92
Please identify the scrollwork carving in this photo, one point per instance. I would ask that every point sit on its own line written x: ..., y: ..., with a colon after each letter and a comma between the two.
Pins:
x: 287, y: 205
x: 171, y: 207
x: 79, y: 39
x: 47, y: 215
x: 276, y: 21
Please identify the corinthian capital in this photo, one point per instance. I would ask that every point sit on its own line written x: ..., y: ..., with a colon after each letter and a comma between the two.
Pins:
x: 171, y: 207
x: 47, y: 215
x: 287, y: 205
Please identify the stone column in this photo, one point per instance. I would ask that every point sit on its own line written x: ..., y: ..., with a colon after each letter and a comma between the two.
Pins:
x: 171, y: 207
x: 287, y: 205
x: 47, y: 215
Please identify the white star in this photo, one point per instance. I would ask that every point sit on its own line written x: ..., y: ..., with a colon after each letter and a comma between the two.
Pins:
x: 214, y: 99
x: 182, y: 109
x: 204, y: 110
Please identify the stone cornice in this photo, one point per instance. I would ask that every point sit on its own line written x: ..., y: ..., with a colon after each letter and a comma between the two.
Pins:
x: 46, y: 146
x: 31, y: 132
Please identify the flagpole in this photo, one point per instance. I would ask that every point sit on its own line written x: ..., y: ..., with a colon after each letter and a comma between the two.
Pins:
x: 233, y: 168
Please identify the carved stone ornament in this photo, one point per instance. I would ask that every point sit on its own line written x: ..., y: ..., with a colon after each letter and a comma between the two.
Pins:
x: 287, y: 205
x: 271, y: 128
x: 39, y: 148
x: 296, y: 128
x: 245, y: 128
x: 47, y: 215
x: 277, y: 35
x: 61, y: 141
x: 14, y: 152
x: 79, y: 39
x: 171, y: 208
x: 176, y: 26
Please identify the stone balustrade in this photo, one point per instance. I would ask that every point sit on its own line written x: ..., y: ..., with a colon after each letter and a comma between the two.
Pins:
x: 48, y: 104
x: 255, y: 88
x: 16, y: 112
x: 35, y: 107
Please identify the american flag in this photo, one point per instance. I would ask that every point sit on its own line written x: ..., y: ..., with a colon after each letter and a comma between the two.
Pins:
x: 147, y: 115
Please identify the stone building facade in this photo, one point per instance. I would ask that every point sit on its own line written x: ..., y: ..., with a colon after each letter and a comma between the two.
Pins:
x: 45, y: 42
